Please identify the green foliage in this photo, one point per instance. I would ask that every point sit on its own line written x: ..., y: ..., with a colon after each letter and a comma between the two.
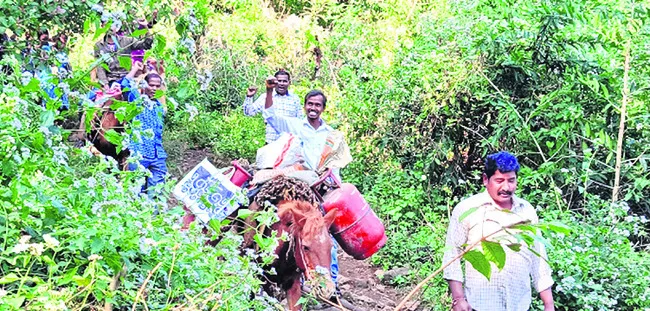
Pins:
x: 28, y: 15
x: 73, y: 224
x: 69, y: 229
x: 597, y: 267
x: 231, y: 134
x: 423, y: 91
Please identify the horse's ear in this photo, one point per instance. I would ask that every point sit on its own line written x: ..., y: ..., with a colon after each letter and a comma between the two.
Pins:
x: 285, y: 214
x: 286, y: 218
x: 330, y: 217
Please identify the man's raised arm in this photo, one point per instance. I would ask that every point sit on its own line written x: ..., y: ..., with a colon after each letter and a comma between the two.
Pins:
x: 251, y: 107
x: 271, y: 83
x: 280, y: 123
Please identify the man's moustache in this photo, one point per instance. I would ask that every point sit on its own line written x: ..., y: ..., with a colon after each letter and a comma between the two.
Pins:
x: 505, y: 192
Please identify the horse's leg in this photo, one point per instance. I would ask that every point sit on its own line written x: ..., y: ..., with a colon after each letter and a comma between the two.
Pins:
x: 293, y: 295
x: 80, y: 136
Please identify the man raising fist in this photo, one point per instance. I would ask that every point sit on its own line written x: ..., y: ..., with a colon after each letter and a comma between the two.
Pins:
x: 286, y: 104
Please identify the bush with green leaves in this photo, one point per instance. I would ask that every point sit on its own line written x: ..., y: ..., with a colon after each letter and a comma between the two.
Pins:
x: 71, y: 222
x: 79, y: 234
x: 597, y: 267
x: 423, y: 92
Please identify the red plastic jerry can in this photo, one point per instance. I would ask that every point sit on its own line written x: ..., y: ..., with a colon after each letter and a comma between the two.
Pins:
x: 357, y: 228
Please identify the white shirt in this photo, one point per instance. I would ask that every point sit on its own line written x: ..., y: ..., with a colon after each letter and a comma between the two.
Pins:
x: 313, y: 140
x: 510, y: 288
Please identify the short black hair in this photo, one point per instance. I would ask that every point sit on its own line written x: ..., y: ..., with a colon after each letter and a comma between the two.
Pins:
x: 152, y: 75
x: 502, y: 161
x: 282, y: 72
x: 313, y: 93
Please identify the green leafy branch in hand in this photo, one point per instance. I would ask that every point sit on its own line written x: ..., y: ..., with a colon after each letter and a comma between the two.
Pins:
x: 493, y: 252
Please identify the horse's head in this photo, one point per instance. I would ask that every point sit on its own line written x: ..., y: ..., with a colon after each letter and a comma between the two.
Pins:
x: 311, y: 242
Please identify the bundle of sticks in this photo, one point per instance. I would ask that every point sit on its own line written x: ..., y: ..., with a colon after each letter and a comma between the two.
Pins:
x: 284, y: 188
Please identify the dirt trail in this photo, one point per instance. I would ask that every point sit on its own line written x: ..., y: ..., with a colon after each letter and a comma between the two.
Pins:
x: 358, y: 279
x: 360, y: 286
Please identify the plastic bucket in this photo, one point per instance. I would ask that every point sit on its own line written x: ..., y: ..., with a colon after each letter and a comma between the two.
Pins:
x: 240, y: 175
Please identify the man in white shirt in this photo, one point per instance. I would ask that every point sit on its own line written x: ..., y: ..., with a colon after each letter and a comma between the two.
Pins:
x: 286, y: 103
x: 510, y: 288
x: 312, y: 131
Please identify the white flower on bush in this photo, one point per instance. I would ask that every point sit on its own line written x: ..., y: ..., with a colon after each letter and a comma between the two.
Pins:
x: 146, y: 244
x: 26, y: 77
x: 92, y: 182
x: 50, y: 241
x: 16, y: 124
x: 26, y: 153
x: 192, y: 110
x: 24, y: 239
x: 625, y: 207
x: 94, y: 257
x: 205, y: 79
x: 623, y: 232
x: 45, y: 130
x: 19, y: 248
x: 135, y: 189
x: 55, y: 305
x: 36, y: 249
x: 97, y: 8
x: 60, y: 156
x: 11, y: 90
x: 119, y: 15
x: 65, y: 87
x: 189, y: 44
x: 193, y: 22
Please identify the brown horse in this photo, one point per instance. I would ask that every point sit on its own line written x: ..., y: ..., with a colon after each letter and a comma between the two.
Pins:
x: 306, y: 252
x: 100, y: 125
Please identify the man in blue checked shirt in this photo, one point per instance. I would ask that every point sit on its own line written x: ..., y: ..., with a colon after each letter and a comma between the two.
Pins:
x: 146, y: 145
x: 286, y: 104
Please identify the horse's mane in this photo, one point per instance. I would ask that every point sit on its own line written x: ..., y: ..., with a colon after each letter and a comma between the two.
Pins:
x: 302, y: 217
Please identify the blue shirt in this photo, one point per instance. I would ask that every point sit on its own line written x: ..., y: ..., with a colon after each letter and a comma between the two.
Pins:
x: 147, y: 138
